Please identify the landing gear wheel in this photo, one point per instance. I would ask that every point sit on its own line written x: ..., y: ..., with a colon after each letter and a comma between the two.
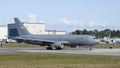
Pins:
x: 110, y: 47
x: 58, y: 48
x: 90, y: 48
x: 49, y: 48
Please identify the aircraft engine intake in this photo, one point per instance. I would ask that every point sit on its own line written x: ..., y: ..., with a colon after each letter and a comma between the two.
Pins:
x: 58, y: 45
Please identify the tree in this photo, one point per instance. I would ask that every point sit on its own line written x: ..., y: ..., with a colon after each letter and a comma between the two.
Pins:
x: 84, y: 31
x: 99, y: 34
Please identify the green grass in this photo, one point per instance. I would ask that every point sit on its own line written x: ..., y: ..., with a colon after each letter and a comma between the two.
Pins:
x: 104, y: 45
x: 24, y: 45
x: 107, y: 45
x: 58, y: 61
x: 19, y: 45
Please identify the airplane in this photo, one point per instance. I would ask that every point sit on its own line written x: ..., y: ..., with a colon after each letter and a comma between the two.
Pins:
x: 116, y: 40
x: 53, y: 41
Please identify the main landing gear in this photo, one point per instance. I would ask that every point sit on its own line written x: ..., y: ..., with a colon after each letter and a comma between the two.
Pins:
x: 49, y: 48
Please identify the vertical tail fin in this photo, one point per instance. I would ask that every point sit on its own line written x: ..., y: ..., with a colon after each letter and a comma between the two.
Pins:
x: 21, y: 29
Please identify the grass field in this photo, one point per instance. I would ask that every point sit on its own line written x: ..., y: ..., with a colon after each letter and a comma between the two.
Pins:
x: 18, y: 45
x: 58, y: 61
x: 23, y: 45
x: 107, y: 45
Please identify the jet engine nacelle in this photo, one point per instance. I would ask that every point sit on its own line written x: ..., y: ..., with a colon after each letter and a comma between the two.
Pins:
x: 58, y: 45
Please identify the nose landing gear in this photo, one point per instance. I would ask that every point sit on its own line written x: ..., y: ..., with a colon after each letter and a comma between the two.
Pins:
x: 90, y: 47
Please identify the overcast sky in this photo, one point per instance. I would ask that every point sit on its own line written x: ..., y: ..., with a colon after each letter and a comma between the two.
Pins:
x: 65, y: 15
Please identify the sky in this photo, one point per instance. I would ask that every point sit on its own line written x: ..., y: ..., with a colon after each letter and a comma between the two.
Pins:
x: 64, y: 15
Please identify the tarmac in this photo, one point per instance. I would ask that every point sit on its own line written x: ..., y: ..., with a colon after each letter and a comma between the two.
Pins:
x: 78, y: 51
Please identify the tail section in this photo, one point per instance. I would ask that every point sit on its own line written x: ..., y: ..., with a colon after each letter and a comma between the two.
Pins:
x: 21, y: 29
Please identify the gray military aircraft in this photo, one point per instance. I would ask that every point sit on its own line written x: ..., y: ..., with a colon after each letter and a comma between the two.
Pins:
x: 56, y: 41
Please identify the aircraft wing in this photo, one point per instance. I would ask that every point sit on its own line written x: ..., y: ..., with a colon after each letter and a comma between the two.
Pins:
x: 32, y: 39
x: 40, y: 40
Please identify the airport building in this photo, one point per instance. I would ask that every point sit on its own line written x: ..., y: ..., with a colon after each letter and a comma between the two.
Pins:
x: 10, y: 30
x: 3, y: 32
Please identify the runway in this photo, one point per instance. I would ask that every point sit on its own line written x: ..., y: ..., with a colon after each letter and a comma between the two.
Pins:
x: 78, y: 51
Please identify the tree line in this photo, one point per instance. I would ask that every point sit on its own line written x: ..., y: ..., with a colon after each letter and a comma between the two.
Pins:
x: 99, y: 34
